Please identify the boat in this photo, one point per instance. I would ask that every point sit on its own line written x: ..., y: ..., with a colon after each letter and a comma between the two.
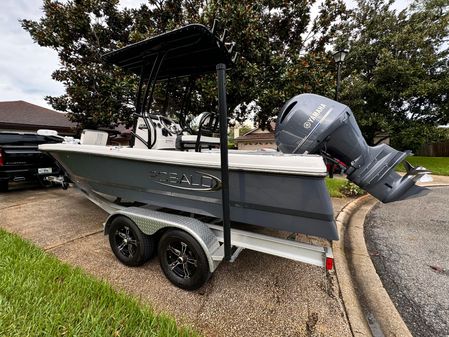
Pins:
x: 180, y: 191
x: 191, y: 182
x: 284, y: 190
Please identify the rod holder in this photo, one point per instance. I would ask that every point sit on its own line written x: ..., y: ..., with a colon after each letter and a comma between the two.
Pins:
x: 232, y: 46
x: 235, y: 57
x: 214, y: 26
x: 225, y: 34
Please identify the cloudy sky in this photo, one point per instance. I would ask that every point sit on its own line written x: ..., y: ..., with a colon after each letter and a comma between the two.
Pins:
x: 25, y: 67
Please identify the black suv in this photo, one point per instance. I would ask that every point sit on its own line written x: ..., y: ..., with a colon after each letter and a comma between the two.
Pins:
x: 20, y: 159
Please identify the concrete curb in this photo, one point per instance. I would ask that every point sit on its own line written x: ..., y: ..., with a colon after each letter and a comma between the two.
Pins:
x: 368, y: 306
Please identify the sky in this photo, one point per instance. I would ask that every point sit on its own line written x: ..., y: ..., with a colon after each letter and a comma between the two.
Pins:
x: 25, y: 67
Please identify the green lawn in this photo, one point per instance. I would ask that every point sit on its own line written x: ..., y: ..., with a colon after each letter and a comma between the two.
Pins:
x: 340, y: 187
x: 41, y: 296
x: 334, y: 187
x: 438, y: 165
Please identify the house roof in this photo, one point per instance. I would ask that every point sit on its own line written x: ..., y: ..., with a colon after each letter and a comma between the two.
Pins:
x: 27, y: 114
x: 252, y: 135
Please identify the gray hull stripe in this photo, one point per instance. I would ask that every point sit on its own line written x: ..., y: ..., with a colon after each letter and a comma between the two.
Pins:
x: 244, y: 205
x: 286, y: 211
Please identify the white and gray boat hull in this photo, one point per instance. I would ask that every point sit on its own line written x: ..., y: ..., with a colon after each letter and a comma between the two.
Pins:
x: 276, y: 196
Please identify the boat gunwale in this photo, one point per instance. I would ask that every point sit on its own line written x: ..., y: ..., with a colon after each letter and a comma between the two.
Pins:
x: 215, y: 165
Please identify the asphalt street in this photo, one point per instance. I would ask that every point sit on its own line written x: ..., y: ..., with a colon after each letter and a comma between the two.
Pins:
x: 409, y: 245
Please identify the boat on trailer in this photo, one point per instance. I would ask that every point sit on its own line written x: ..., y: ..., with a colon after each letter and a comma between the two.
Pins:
x: 173, y: 190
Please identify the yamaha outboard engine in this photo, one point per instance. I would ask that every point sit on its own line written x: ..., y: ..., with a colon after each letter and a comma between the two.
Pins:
x: 314, y: 124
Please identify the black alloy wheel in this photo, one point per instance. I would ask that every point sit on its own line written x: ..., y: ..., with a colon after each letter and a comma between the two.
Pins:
x: 129, y: 244
x: 183, y: 260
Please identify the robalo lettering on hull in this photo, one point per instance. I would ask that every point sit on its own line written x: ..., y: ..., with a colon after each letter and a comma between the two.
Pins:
x: 199, y: 181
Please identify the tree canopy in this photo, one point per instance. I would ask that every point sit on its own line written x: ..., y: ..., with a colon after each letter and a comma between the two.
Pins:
x: 81, y: 31
x: 281, y: 47
x: 396, y: 76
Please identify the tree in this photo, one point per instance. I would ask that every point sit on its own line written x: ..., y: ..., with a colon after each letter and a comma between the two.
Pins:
x: 397, y: 75
x: 282, y: 52
x: 97, y: 94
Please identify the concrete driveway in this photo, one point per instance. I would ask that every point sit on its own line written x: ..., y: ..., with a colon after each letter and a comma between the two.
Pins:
x: 409, y: 246
x: 258, y: 295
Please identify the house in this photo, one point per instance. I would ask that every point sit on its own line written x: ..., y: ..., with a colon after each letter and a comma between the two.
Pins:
x: 22, y: 116
x: 381, y: 138
x: 256, y: 139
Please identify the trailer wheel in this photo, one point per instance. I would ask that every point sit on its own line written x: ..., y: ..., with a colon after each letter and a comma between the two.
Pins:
x: 182, y: 260
x: 128, y: 243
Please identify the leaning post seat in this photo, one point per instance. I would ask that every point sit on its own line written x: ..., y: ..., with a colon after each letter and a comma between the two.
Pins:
x: 207, y: 128
x: 189, y: 142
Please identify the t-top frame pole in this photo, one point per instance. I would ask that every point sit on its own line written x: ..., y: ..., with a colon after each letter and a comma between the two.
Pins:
x: 223, y: 115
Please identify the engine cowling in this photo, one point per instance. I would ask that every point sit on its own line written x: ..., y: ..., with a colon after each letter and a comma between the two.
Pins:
x: 311, y: 123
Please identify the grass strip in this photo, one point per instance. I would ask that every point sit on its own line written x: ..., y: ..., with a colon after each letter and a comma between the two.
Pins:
x: 41, y: 296
x: 334, y: 186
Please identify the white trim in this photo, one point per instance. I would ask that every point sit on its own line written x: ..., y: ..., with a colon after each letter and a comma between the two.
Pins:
x: 203, y: 139
x: 259, y: 161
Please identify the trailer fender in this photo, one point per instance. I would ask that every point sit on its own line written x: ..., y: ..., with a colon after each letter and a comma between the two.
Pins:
x: 151, y: 221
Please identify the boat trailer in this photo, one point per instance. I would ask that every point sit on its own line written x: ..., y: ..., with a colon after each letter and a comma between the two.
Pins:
x: 190, y: 249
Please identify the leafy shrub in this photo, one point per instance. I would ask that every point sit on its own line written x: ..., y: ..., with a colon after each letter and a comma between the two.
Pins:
x: 351, y: 190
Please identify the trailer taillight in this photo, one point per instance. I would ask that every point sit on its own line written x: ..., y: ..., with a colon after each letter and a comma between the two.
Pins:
x: 329, y: 263
x: 2, y: 162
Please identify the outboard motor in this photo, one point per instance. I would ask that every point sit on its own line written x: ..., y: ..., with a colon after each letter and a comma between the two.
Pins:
x: 314, y: 124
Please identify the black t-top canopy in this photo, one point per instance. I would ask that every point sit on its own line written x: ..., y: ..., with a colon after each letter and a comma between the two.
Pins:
x: 190, y: 50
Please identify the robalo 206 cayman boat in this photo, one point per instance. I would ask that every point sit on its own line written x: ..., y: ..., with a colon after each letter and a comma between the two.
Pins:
x: 174, y: 191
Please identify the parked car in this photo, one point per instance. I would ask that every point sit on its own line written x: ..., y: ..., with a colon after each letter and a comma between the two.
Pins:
x: 334, y: 166
x: 20, y: 159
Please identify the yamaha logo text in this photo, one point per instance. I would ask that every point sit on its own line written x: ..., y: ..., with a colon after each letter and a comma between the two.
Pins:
x: 314, y: 115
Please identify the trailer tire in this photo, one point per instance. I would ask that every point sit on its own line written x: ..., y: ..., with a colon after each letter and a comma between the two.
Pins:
x: 128, y: 243
x: 183, y: 260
